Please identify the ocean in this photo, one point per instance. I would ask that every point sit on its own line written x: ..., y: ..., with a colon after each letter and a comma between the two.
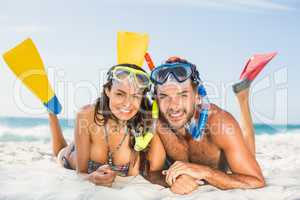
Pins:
x: 16, y: 129
x: 23, y: 129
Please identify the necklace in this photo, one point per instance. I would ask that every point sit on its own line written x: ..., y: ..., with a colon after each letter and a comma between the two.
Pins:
x: 111, y: 152
x: 116, y: 126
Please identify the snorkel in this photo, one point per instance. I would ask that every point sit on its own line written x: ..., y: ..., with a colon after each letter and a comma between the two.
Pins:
x: 198, y: 122
x: 182, y: 71
x: 132, y: 48
x: 142, y: 141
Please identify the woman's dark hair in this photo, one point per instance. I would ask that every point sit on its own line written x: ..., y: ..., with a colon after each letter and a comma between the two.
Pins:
x: 141, y: 122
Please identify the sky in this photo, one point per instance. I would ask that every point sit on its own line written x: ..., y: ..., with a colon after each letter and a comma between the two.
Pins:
x: 77, y: 42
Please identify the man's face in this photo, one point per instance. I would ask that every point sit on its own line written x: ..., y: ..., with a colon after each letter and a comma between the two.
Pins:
x: 176, y: 102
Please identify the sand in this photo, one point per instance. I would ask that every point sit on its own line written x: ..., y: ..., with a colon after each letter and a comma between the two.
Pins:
x: 28, y: 171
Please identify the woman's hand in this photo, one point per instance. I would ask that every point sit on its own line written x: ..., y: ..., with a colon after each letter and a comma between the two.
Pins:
x: 103, y: 176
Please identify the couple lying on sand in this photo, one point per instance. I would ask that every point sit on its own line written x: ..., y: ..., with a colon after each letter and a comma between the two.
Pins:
x: 104, y: 146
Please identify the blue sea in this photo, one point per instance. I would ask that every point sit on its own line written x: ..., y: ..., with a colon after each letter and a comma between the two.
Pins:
x: 37, y: 129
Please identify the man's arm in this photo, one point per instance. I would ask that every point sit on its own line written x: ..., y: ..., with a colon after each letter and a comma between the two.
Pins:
x: 246, y: 172
x: 227, y: 136
x: 231, y: 181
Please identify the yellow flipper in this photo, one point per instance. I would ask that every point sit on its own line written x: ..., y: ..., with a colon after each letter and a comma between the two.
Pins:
x: 132, y: 47
x: 25, y: 62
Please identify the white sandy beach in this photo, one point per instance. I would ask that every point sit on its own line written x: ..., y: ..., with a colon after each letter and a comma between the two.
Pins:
x: 28, y: 171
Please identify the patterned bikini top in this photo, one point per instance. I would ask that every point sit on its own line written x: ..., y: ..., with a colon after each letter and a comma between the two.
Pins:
x: 121, y: 170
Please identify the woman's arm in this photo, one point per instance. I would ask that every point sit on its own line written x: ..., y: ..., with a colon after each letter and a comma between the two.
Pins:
x: 156, y: 157
x: 82, y: 140
x: 156, y: 154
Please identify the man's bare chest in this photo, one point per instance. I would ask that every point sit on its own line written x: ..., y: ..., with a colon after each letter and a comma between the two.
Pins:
x: 200, y: 152
x: 204, y: 152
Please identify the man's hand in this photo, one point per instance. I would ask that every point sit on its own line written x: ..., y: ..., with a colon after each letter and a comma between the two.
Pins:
x: 184, y: 184
x: 197, y: 172
x: 103, y: 176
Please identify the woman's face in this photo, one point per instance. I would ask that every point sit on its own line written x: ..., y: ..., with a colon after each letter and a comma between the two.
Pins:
x: 124, y: 99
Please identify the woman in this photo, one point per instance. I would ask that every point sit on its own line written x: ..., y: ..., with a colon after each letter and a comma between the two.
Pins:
x: 104, y: 132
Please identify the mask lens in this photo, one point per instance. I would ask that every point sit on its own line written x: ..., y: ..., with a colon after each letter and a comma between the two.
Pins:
x: 121, y: 74
x: 142, y: 79
x: 182, y: 73
x: 160, y: 75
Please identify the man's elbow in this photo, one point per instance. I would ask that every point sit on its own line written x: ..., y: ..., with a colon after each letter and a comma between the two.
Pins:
x: 258, y: 183
x: 251, y: 182
x: 261, y: 183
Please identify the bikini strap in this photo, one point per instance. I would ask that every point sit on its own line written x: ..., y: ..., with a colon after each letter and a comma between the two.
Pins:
x: 110, y: 153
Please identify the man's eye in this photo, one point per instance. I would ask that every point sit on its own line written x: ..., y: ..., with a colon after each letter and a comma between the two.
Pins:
x: 119, y: 94
x: 162, y: 97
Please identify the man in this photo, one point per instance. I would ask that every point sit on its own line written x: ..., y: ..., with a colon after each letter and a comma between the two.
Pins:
x: 224, y: 155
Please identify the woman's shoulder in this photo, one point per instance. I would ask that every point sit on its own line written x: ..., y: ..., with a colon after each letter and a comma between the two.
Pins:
x: 86, y: 112
x: 86, y: 116
x: 88, y: 107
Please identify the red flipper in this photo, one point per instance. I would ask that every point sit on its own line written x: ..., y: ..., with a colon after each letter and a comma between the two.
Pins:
x: 255, y: 64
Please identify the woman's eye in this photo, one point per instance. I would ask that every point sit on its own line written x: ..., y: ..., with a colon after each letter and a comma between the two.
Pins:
x: 119, y: 94
x: 137, y: 96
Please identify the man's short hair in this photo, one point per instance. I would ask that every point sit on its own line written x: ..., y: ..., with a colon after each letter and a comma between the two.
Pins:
x: 195, y: 78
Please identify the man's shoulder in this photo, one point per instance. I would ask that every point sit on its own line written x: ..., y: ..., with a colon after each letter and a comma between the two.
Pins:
x: 162, y: 127
x: 218, y: 115
x: 221, y: 125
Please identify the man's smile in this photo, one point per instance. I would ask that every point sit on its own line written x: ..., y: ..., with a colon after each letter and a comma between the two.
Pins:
x: 176, y: 116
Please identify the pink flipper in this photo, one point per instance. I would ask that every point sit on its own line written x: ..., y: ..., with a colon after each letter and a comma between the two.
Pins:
x: 255, y: 64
